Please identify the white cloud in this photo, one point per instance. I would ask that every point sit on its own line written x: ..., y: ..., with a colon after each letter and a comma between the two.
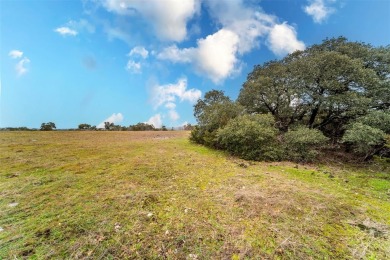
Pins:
x: 165, y: 94
x: 21, y: 66
x: 176, y: 55
x: 248, y: 22
x: 114, y: 118
x: 283, y: 40
x: 139, y: 51
x: 173, y: 115
x: 169, y: 17
x: 133, y: 67
x: 155, y: 121
x: 215, y: 55
x: 15, y: 54
x: 170, y: 105
x: 319, y: 10
x: 251, y: 24
x: 64, y: 31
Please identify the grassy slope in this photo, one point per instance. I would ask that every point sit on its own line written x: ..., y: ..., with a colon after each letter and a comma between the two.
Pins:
x: 155, y: 195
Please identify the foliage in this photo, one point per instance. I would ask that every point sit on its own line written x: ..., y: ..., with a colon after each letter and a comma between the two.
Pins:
x: 85, y: 126
x: 249, y: 136
x: 365, y: 139
x: 301, y: 143
x: 47, y: 126
x: 22, y: 128
x: 141, y: 127
x: 377, y: 119
x: 188, y: 127
x: 196, y: 135
x: 324, y: 87
x: 213, y: 112
x: 108, y: 125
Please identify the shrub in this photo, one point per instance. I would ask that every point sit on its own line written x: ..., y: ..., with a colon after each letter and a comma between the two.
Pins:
x: 213, y: 112
x: 365, y: 140
x: 301, y: 143
x: 196, y: 135
x: 250, y: 137
x: 377, y: 119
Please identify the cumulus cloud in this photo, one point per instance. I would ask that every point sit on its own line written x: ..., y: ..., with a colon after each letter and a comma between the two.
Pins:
x: 114, y: 118
x: 139, y: 51
x: 166, y: 94
x: 137, y: 54
x: 15, y: 54
x: 248, y: 22
x: 214, y: 57
x: 21, y: 66
x: 155, y: 120
x: 283, y: 40
x: 319, y: 10
x: 65, y: 31
x: 169, y: 18
x: 217, y: 56
x: 133, y: 67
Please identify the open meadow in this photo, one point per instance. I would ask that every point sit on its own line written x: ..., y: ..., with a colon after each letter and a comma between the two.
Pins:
x: 156, y: 195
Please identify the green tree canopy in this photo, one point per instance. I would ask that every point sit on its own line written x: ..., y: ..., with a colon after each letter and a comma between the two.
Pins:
x: 142, y: 127
x: 48, y: 126
x: 84, y: 126
x: 212, y: 113
x: 324, y: 87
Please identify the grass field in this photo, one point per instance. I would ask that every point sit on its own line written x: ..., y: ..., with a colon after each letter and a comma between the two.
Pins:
x: 155, y: 195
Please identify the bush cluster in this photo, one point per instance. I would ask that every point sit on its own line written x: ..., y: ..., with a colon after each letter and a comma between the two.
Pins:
x: 255, y: 137
x: 336, y: 91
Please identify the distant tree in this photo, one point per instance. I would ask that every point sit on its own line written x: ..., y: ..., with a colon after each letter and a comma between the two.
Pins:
x: 47, y: 126
x: 141, y: 127
x: 108, y: 125
x: 84, y: 126
x: 164, y: 128
x: 188, y: 127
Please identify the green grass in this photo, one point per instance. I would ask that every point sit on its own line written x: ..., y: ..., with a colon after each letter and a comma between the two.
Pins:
x: 126, y: 195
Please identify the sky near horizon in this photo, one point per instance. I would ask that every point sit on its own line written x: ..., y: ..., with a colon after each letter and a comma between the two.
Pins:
x: 130, y: 61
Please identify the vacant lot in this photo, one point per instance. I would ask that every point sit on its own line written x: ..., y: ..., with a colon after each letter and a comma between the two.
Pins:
x: 155, y: 195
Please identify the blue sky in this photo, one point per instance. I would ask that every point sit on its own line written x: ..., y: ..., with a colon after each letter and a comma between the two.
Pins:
x: 130, y: 61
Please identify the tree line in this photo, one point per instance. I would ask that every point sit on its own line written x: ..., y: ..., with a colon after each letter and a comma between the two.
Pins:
x: 334, y: 94
x: 108, y: 126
